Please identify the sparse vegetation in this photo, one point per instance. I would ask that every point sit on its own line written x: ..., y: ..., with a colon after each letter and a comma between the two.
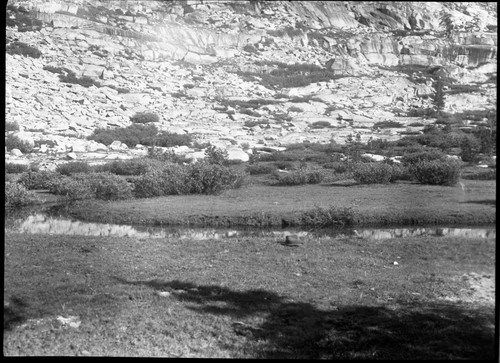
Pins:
x: 14, y: 142
x: 11, y: 126
x: 23, y: 49
x: 144, y: 117
x: 16, y: 195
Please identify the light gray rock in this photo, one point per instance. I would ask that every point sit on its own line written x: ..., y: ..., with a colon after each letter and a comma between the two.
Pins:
x: 16, y: 152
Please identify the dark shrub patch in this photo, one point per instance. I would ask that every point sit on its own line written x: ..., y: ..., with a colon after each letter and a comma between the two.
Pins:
x: 436, y: 172
x: 12, y: 168
x: 490, y: 174
x: 169, y: 139
x: 427, y: 155
x: 38, y: 179
x: 257, y: 169
x: 388, y: 124
x: 144, y: 117
x: 11, y: 126
x: 337, y: 166
x: 106, y: 186
x: 372, y: 173
x: 14, y: 142
x: 135, y: 166
x: 74, y: 167
x: 71, y: 188
x: 320, y: 125
x: 299, y: 177
x: 131, y: 135
x: 16, y: 195
x: 23, y: 49
x: 83, y: 81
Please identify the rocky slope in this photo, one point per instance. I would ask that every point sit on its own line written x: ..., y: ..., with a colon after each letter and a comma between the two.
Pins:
x: 205, y: 68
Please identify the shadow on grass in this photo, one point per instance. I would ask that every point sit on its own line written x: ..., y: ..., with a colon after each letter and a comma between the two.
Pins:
x: 300, y: 330
x: 13, y: 313
x: 484, y: 201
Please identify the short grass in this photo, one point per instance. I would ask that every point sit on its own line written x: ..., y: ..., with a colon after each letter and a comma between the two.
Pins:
x: 247, y: 298
x: 401, y: 203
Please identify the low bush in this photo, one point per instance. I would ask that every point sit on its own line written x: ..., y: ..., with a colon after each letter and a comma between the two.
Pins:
x: 14, y: 142
x: 490, y: 174
x: 144, y: 117
x: 257, y: 169
x: 198, y: 178
x: 400, y: 172
x: 324, y: 217
x: 38, y: 179
x: 130, y: 135
x: 71, y: 188
x: 436, y: 172
x: 284, y: 165
x: 106, y: 186
x: 372, y: 173
x: 16, y: 195
x: 74, y: 167
x: 205, y: 178
x: 170, y: 139
x: 388, y: 124
x: 249, y: 48
x: 12, y: 168
x: 23, y: 49
x: 425, y: 155
x: 336, y: 166
x: 136, y: 166
x: 84, y: 81
x: 214, y: 155
x: 320, y: 125
x: 11, y: 126
x: 166, y: 156
x: 299, y: 177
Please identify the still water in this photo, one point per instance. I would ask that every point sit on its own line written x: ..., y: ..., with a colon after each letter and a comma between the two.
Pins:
x: 40, y: 222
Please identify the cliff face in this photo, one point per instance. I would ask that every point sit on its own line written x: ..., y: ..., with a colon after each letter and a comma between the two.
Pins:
x: 179, y: 59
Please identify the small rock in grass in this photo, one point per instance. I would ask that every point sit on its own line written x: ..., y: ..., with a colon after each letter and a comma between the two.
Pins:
x: 163, y: 293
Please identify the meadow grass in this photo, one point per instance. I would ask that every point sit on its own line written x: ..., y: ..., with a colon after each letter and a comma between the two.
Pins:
x: 254, y: 204
x: 247, y: 298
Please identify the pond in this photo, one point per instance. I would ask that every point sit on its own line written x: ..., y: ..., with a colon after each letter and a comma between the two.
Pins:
x: 43, y: 223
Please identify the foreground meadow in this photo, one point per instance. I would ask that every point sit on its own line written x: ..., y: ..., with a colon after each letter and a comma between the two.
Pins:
x: 249, y: 297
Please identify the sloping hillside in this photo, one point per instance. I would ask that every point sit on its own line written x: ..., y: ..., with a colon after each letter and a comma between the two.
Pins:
x: 241, y: 75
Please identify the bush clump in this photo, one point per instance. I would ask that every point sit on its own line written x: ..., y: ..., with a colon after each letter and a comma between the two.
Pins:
x: 12, y: 168
x: 425, y: 155
x: 372, y: 173
x: 16, y: 195
x: 74, y: 167
x: 14, y: 142
x: 103, y: 186
x: 23, y: 49
x: 299, y: 177
x: 206, y: 178
x: 11, y: 126
x: 136, y: 166
x: 144, y: 117
x: 257, y: 169
x: 71, y: 188
x: 436, y: 172
x: 38, y: 179
x: 388, y: 124
x: 169, y: 180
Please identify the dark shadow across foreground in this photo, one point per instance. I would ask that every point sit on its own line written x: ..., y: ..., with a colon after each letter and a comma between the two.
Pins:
x: 440, y: 330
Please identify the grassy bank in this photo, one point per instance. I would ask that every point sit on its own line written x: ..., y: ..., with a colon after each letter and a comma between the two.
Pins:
x: 401, y: 203
x: 249, y: 298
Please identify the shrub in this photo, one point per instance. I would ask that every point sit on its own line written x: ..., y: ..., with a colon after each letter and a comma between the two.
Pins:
x: 14, y: 142
x: 388, y: 124
x: 13, y: 168
x: 166, y: 156
x: 320, y: 125
x: 11, y: 126
x: 169, y: 139
x: 436, y: 172
x: 338, y: 167
x: 426, y: 155
x: 106, y: 186
x: 284, y: 165
x: 71, y: 188
x: 38, y: 179
x: 257, y: 169
x: 482, y: 175
x: 74, y: 167
x: 205, y: 178
x: 84, y: 81
x: 136, y: 166
x: 400, y: 172
x: 16, y: 195
x: 324, y: 217
x: 144, y: 117
x: 214, y: 155
x: 165, y: 181
x: 250, y: 49
x: 131, y: 135
x: 299, y: 177
x: 23, y: 49
x: 372, y: 173
x: 295, y: 109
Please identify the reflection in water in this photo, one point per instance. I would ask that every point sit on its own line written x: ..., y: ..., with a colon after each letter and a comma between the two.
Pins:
x: 41, y: 223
